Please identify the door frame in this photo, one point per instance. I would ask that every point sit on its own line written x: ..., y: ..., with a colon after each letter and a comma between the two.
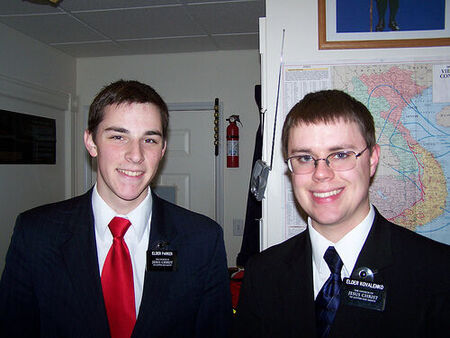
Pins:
x: 218, y: 160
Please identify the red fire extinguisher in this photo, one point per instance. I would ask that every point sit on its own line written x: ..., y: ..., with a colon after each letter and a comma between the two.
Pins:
x: 233, y: 142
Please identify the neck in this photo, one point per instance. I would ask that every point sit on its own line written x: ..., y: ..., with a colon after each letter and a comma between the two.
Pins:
x: 335, y: 232
x: 122, y: 206
x: 331, y: 232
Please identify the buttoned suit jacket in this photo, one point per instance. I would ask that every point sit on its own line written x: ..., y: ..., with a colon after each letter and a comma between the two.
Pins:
x: 51, y: 284
x: 277, y: 296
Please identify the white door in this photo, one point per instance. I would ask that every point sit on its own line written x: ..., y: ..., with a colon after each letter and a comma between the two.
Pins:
x: 187, y: 172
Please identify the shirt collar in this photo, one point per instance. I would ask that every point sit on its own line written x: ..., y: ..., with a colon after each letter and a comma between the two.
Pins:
x: 139, y: 217
x: 348, y: 247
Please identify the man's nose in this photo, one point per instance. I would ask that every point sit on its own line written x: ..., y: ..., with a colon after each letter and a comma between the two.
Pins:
x: 134, y: 152
x: 322, y: 170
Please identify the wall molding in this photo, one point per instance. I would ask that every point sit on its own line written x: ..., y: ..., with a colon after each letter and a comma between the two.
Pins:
x: 27, y: 92
x: 37, y: 94
x: 191, y: 106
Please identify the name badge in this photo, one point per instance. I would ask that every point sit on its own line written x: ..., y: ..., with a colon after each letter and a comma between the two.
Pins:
x: 161, y: 260
x: 365, y: 294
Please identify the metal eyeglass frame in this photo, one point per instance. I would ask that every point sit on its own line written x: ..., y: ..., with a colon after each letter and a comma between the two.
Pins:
x: 291, y: 168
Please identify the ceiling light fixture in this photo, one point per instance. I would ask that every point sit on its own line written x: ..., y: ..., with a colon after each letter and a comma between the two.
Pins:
x: 53, y: 3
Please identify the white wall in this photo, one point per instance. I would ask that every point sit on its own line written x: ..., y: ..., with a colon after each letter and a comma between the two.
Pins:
x: 36, y: 80
x: 192, y: 77
x: 300, y: 19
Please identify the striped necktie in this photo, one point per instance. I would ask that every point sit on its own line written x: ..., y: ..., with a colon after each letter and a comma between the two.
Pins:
x: 327, y: 301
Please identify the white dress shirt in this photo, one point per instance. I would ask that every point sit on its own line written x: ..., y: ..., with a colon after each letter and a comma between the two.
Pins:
x: 136, y: 237
x: 348, y: 249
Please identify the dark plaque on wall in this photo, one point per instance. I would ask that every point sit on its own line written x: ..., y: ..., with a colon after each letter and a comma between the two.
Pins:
x: 27, y: 139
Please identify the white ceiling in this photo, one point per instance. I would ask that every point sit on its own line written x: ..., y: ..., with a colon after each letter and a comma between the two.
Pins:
x: 86, y: 28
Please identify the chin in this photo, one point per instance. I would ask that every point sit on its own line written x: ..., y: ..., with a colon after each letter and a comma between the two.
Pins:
x: 326, y: 220
x: 131, y: 196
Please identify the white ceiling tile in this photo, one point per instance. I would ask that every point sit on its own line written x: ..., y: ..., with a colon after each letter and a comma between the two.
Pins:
x: 8, y: 7
x: 84, y: 28
x: 142, y: 23
x: 51, y: 28
x: 222, y: 1
x: 175, y: 45
x: 111, y: 4
x: 233, y: 17
x: 137, y: 47
x: 236, y: 42
x: 91, y: 49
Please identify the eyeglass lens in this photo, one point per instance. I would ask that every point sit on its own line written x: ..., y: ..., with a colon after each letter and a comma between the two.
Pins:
x: 337, y: 161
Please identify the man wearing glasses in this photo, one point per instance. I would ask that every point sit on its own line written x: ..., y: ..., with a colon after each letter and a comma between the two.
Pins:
x: 352, y: 273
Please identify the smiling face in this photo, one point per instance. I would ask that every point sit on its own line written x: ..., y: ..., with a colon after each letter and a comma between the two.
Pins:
x: 336, y: 201
x: 128, y: 146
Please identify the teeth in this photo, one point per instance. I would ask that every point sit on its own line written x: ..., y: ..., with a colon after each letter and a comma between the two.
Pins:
x: 130, y: 173
x: 327, y: 194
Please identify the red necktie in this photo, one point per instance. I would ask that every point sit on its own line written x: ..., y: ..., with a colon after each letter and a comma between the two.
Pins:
x: 117, y: 282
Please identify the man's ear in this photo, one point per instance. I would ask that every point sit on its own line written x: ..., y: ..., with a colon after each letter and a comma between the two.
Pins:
x: 374, y: 158
x: 90, y: 144
x: 164, y: 149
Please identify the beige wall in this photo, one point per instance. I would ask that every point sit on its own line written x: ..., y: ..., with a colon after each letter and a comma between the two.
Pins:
x: 191, y: 77
x: 36, y: 80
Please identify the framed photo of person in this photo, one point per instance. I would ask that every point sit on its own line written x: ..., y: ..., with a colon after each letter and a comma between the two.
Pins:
x: 349, y: 24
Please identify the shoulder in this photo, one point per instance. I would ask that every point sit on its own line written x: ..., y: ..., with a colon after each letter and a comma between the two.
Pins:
x: 60, y: 206
x: 414, y: 246
x: 44, y: 216
x: 405, y: 239
x: 186, y: 221
x: 418, y: 264
x: 282, y: 253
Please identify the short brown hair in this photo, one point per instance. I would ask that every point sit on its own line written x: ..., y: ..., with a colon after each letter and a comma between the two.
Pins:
x: 329, y: 106
x: 123, y: 91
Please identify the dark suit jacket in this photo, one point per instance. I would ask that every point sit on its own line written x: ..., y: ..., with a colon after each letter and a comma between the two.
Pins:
x: 51, y: 284
x: 277, y: 298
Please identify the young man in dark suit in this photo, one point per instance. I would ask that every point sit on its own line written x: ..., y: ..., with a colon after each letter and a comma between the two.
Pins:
x: 117, y: 261
x: 352, y: 273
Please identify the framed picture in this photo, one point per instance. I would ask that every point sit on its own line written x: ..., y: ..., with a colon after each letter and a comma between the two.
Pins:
x: 347, y: 24
x: 27, y: 139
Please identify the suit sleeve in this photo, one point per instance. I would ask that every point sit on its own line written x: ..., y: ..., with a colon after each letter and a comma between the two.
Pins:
x: 437, y: 315
x: 19, y: 316
x: 437, y: 310
x: 247, y: 323
x: 215, y: 311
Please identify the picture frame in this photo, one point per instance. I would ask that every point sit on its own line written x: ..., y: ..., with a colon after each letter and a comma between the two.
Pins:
x: 330, y: 39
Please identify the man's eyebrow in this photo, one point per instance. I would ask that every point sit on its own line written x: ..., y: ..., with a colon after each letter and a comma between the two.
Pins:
x: 153, y: 132
x: 330, y: 150
x: 126, y: 131
x: 118, y: 130
x: 342, y: 147
x: 300, y: 150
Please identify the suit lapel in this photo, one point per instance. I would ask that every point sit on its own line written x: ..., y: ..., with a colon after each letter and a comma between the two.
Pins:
x: 376, y: 255
x: 299, y: 303
x: 80, y: 254
x: 162, y: 232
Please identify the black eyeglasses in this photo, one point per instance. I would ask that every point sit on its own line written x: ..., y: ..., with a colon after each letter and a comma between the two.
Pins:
x: 339, y: 161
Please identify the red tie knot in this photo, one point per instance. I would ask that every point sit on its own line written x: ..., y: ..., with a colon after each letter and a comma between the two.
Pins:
x: 119, y: 226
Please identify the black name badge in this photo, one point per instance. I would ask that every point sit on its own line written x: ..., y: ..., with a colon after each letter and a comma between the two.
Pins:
x: 162, y: 260
x: 364, y: 294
